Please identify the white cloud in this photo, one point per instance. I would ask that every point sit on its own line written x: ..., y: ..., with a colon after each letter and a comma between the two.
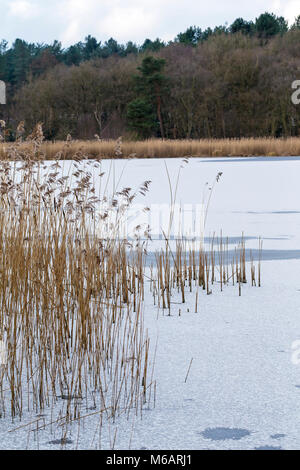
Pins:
x: 71, y: 20
x: 71, y: 34
x: 23, y: 9
x: 122, y: 21
x: 132, y: 20
x: 291, y: 10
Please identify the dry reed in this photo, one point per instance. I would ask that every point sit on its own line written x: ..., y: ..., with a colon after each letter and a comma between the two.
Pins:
x: 71, y: 297
x: 157, y: 148
x: 70, y: 307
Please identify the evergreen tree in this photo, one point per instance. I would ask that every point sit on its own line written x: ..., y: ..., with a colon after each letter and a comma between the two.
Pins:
x: 153, y: 46
x: 74, y: 54
x: 111, y: 47
x: 91, y: 48
x: 207, y: 34
x: 20, y: 60
x: 131, y: 48
x: 296, y: 24
x: 242, y: 26
x: 3, y: 48
x: 141, y: 117
x: 151, y: 84
x: 220, y: 30
x: 268, y: 25
x: 191, y: 36
x: 56, y: 50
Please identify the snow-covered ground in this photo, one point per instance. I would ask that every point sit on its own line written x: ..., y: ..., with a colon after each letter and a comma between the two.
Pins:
x: 243, y: 387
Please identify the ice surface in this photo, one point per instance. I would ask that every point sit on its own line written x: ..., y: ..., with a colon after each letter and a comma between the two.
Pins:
x: 242, y: 391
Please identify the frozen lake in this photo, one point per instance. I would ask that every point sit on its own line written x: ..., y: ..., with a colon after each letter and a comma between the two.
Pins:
x: 255, y: 196
x: 243, y: 388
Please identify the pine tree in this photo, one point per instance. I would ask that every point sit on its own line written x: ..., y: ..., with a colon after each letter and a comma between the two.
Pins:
x: 141, y: 117
x: 151, y: 85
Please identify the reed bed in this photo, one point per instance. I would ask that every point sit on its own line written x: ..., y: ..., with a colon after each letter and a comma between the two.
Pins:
x: 157, y: 148
x: 193, y: 267
x: 74, y: 333
x: 72, y: 296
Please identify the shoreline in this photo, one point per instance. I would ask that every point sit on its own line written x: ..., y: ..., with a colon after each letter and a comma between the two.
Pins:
x: 157, y: 148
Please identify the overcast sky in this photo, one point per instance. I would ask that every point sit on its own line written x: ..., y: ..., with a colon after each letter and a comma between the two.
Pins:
x: 70, y: 21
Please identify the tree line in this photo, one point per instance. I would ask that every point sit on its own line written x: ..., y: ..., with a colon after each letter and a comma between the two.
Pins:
x: 230, y: 81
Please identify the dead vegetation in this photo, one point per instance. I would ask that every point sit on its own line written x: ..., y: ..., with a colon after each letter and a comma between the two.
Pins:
x: 157, y: 148
x: 72, y: 290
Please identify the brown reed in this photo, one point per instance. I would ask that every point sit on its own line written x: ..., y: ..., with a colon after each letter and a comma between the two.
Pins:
x: 158, y: 148
x: 71, y: 296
